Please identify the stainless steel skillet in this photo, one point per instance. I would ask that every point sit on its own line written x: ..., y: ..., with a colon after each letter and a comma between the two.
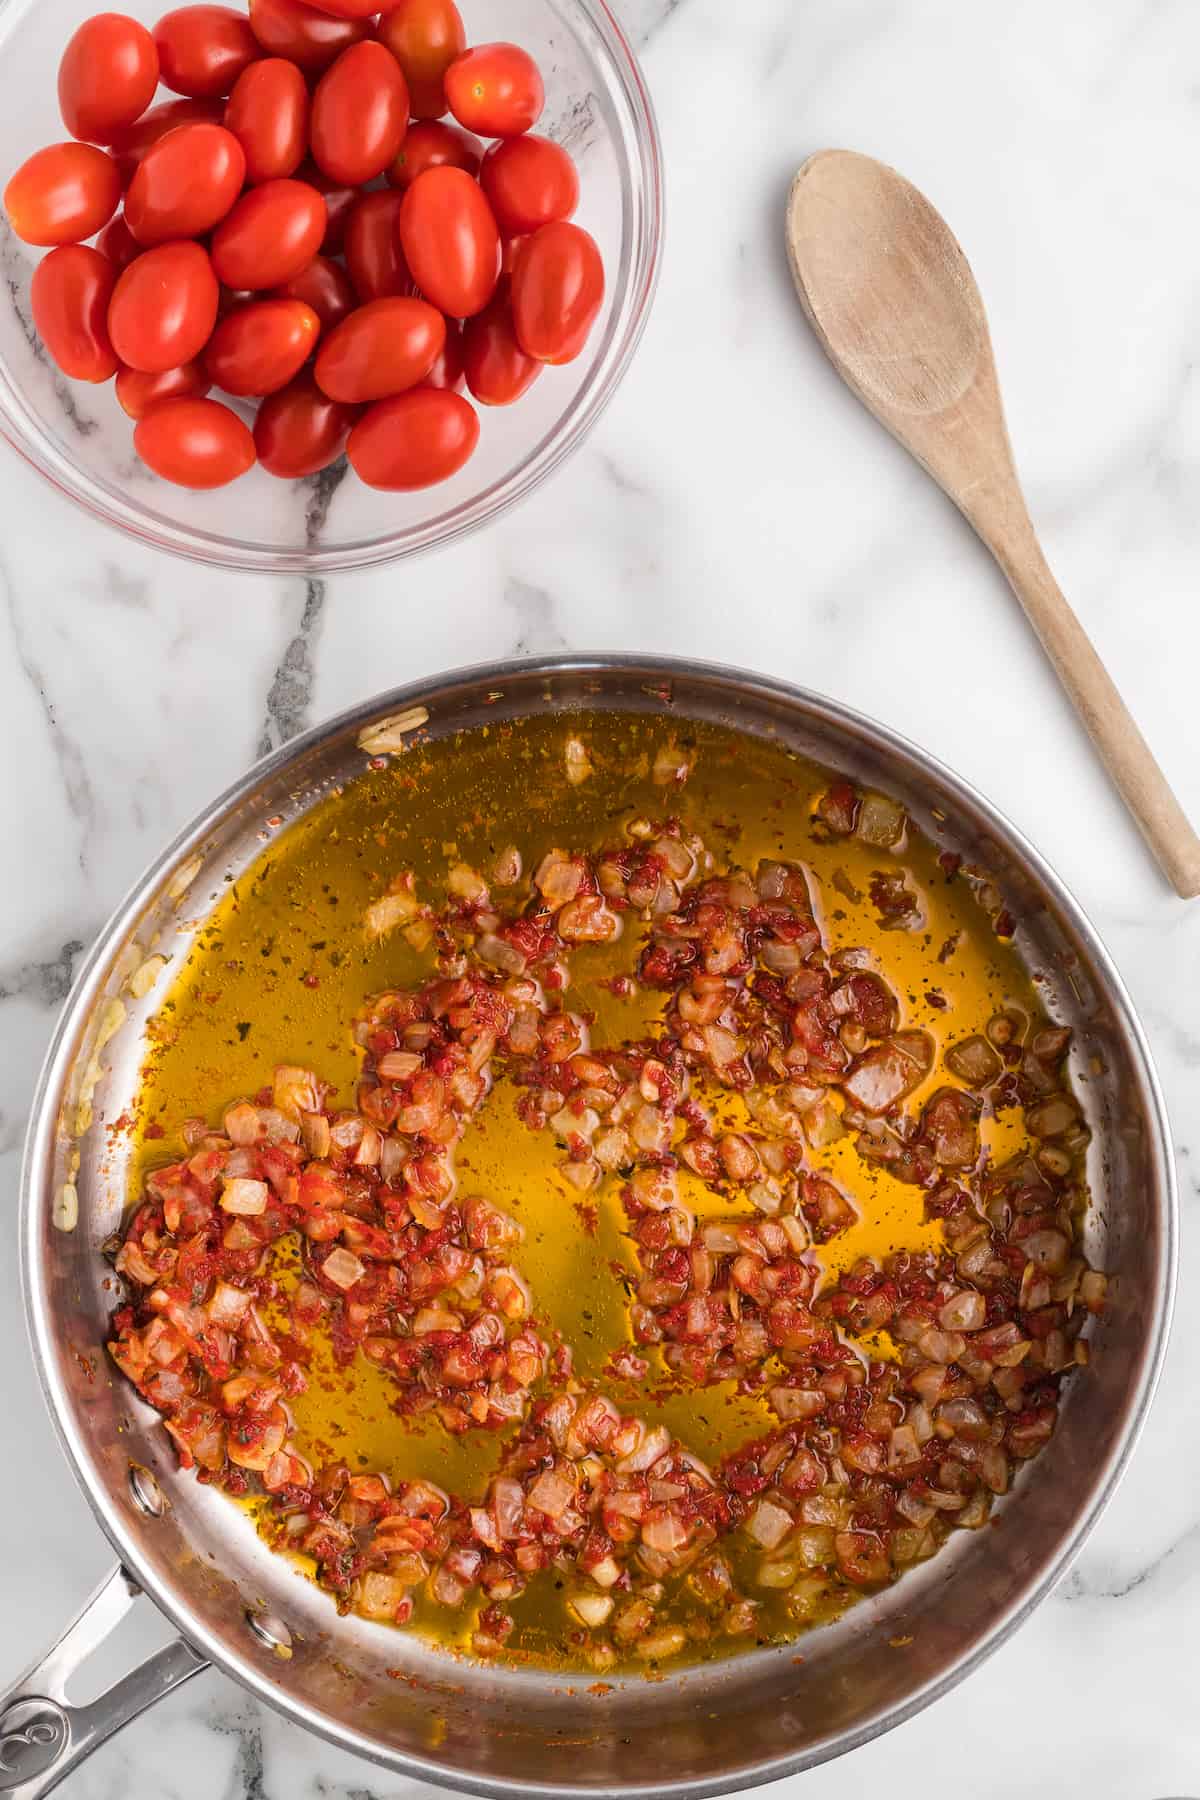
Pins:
x: 381, y: 1693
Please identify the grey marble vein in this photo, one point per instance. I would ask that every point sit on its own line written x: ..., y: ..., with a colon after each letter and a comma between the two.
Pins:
x: 289, y: 697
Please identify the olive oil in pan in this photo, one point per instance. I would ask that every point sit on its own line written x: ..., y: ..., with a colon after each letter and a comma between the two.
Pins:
x: 284, y: 963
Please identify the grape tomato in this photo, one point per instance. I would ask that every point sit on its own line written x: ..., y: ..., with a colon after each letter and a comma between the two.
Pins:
x: 306, y: 36
x: 450, y: 241
x: 195, y: 443
x: 107, y: 76
x: 259, y: 347
x: 557, y: 291
x: 431, y: 144
x: 272, y: 233
x: 359, y: 114
x: 63, y: 194
x: 414, y: 440
x: 163, y: 308
x: 68, y: 299
x: 529, y: 182
x: 496, y: 90
x: 268, y: 114
x: 373, y: 254
x: 299, y: 431
x: 325, y: 286
x: 425, y: 37
x: 185, y: 184
x: 386, y: 346
x: 138, y: 392
x: 203, y: 49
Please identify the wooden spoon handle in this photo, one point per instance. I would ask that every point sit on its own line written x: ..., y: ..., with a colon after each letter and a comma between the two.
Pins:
x: 1113, y: 729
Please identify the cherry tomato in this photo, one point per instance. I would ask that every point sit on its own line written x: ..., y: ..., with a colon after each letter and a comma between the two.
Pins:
x: 447, y: 371
x: 509, y: 250
x: 138, y: 393
x: 383, y: 348
x: 260, y: 347
x: 185, y: 183
x: 307, y: 37
x: 373, y: 254
x: 413, y: 440
x: 339, y: 201
x: 450, y: 241
x: 300, y: 431
x: 359, y: 114
x: 63, y: 194
x: 272, y: 233
x: 163, y: 308
x: 268, y: 115
x: 118, y: 243
x: 194, y: 443
x: 425, y: 36
x: 496, y: 90
x: 529, y: 182
x: 203, y: 49
x: 497, y: 369
x: 69, y: 299
x: 107, y: 76
x: 325, y: 286
x: 432, y: 145
x: 558, y: 288
x: 130, y: 145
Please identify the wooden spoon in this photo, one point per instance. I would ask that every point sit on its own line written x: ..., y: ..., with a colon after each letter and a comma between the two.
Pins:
x: 893, y: 301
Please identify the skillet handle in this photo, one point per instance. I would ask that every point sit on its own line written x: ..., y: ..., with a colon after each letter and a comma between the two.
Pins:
x: 42, y: 1736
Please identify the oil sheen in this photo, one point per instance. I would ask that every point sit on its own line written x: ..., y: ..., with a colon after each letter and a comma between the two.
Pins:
x: 284, y: 963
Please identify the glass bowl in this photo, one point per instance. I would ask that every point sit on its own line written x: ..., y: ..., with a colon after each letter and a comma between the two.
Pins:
x: 77, y: 436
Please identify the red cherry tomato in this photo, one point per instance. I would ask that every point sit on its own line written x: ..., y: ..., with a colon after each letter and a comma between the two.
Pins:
x: 359, y: 114
x: 529, y: 182
x: 272, y: 233
x: 194, y: 443
x: 69, y: 299
x: 325, y: 286
x: 203, y: 49
x: 425, y: 36
x: 496, y: 90
x: 130, y: 145
x: 163, y: 308
x: 184, y: 184
x: 260, y: 347
x: 339, y: 200
x: 373, y: 254
x: 268, y: 115
x: 558, y: 288
x: 118, y: 243
x: 307, y: 37
x: 383, y: 348
x: 138, y: 393
x: 432, y: 145
x: 413, y: 440
x: 63, y: 194
x: 107, y: 76
x: 509, y: 250
x: 447, y: 371
x: 450, y: 241
x: 300, y: 431
x: 497, y: 369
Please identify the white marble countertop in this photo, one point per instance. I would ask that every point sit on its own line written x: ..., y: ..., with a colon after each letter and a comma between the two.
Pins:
x: 734, y: 504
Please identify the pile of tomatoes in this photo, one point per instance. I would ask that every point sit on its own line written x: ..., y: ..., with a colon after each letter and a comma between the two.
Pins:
x: 305, y: 227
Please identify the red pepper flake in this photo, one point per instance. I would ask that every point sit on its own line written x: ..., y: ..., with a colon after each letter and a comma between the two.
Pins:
x: 154, y: 1130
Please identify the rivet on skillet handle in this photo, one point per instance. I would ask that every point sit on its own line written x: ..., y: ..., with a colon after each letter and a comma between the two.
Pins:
x: 42, y: 1736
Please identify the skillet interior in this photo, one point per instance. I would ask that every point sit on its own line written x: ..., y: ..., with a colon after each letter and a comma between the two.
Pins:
x: 390, y: 1696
